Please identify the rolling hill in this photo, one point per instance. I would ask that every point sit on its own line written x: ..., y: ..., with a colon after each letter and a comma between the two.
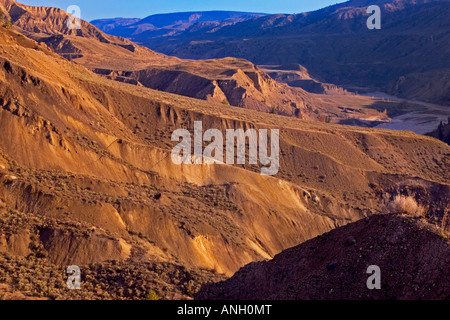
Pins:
x: 408, y: 57
x: 334, y: 266
x: 93, y: 169
x: 170, y: 24
x: 86, y: 176
x: 229, y: 81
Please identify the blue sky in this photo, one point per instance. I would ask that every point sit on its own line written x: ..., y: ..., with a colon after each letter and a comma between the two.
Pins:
x: 95, y: 9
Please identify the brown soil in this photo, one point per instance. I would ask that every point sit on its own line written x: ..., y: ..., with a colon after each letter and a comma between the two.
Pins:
x: 229, y: 81
x: 412, y: 257
x: 86, y: 161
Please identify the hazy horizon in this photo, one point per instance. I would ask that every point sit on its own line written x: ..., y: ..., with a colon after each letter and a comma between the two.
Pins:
x: 91, y: 10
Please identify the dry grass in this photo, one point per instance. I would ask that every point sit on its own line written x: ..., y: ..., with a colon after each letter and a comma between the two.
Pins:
x: 444, y: 225
x: 401, y: 204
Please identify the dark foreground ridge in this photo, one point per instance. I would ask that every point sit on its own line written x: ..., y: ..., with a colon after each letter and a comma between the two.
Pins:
x: 412, y: 257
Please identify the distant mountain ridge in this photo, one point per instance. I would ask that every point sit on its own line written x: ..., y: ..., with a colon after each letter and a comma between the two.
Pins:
x: 109, y: 25
x: 169, y: 24
x: 230, y: 81
x: 408, y: 57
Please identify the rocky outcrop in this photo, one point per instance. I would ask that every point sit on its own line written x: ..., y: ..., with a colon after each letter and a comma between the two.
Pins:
x: 247, y: 89
x: 229, y: 81
x: 296, y: 75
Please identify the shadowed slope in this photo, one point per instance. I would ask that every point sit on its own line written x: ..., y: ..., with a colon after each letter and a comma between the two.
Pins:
x: 87, y: 161
x: 413, y: 260
x: 408, y: 57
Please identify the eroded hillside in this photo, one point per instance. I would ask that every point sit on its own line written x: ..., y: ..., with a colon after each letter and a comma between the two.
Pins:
x: 228, y: 81
x: 408, y: 57
x: 88, y: 161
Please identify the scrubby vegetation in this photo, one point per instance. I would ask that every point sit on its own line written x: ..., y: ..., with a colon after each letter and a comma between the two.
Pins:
x: 27, y: 268
x: 35, y: 276
x: 401, y: 204
x: 4, y: 21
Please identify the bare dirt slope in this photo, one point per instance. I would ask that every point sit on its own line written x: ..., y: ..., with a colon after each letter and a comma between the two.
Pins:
x: 412, y: 257
x: 88, y: 161
x: 229, y: 81
x: 296, y: 75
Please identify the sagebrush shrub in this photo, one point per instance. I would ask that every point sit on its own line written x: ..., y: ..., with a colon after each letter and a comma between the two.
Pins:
x: 404, y: 205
